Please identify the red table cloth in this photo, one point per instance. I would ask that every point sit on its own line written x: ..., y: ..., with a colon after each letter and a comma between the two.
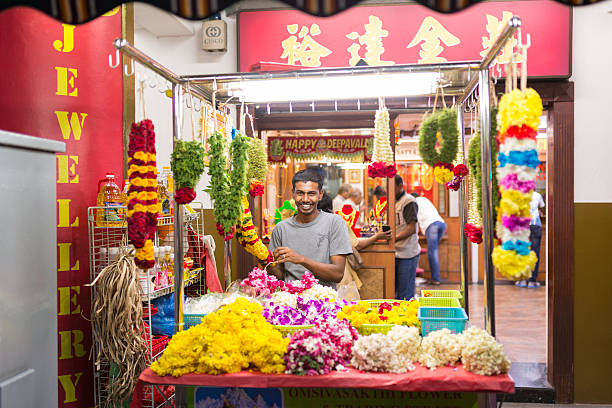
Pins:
x: 421, y: 379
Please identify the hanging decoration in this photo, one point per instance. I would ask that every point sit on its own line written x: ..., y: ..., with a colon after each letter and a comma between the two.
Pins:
x: 142, y: 194
x: 440, y: 128
x: 257, y: 166
x: 383, y: 164
x: 380, y: 207
x: 187, y: 162
x: 247, y: 235
x: 518, y: 119
x: 475, y: 184
x: 227, y: 187
x: 287, y: 210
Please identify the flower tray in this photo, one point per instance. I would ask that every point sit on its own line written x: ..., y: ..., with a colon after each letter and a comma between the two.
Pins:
x: 287, y: 331
x: 191, y: 320
x: 367, y: 329
x: 439, y: 301
x: 442, y: 293
x: 436, y: 318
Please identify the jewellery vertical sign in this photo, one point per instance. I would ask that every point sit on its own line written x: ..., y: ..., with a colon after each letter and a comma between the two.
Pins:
x: 57, y: 84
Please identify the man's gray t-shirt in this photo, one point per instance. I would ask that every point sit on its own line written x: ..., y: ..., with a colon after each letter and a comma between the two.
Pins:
x: 318, y: 240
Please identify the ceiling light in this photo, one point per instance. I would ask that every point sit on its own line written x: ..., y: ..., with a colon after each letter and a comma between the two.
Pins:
x: 322, y: 130
x: 335, y: 87
x: 366, y: 132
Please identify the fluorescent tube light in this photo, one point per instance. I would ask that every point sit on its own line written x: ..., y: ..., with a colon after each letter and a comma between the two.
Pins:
x: 335, y: 87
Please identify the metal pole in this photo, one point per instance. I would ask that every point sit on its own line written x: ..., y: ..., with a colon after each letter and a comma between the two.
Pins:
x: 227, y: 267
x: 487, y: 203
x: 463, y: 203
x: 128, y: 49
x: 179, y: 275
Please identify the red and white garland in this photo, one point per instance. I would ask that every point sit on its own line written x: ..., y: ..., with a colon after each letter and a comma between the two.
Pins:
x: 142, y: 195
x: 383, y: 164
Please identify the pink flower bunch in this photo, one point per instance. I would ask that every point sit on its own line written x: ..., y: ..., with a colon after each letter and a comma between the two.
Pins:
x: 263, y: 283
x: 308, y: 281
x: 320, y: 350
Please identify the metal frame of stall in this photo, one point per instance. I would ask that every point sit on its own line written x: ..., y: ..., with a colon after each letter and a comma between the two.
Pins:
x: 479, y: 80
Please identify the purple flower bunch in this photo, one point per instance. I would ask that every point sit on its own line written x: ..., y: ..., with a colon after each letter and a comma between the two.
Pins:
x: 307, y: 311
x: 320, y: 350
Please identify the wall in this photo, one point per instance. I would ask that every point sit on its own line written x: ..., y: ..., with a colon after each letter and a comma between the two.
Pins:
x: 592, y: 59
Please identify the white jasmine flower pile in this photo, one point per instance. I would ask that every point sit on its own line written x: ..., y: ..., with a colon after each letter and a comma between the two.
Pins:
x: 482, y: 354
x: 394, y: 352
x: 440, y: 348
x: 320, y: 292
x: 282, y: 299
x: 401, y: 346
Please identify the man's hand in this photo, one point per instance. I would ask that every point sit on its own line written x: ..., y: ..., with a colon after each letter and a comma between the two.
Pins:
x: 284, y: 254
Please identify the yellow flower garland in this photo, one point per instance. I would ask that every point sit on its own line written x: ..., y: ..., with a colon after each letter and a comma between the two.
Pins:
x: 248, y: 233
x: 235, y: 338
x: 513, y: 265
x: 442, y: 175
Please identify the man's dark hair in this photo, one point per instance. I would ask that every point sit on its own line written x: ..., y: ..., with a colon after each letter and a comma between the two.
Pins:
x: 399, y: 180
x: 307, y: 175
x: 325, y: 204
x: 415, y: 194
x: 379, y: 191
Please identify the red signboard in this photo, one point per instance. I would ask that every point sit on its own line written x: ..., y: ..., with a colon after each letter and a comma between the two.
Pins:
x: 280, y: 148
x: 56, y: 83
x: 405, y: 34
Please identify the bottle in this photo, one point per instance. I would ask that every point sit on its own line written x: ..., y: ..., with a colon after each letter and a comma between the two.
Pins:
x: 110, y: 197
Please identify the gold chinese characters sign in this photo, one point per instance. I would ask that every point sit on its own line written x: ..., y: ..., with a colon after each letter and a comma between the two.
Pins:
x: 404, y: 34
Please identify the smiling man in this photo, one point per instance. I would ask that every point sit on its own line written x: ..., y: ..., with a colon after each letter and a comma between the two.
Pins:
x: 311, y: 240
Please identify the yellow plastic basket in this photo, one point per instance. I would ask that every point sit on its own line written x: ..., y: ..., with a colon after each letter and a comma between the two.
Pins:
x: 367, y: 329
x: 287, y: 331
x: 439, y: 301
x: 442, y: 293
x: 378, y: 302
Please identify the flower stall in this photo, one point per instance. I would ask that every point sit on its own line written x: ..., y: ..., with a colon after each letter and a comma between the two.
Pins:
x: 266, y: 342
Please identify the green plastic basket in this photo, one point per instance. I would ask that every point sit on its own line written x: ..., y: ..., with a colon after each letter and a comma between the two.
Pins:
x: 436, y: 318
x: 378, y: 302
x: 287, y: 331
x: 367, y: 329
x: 439, y: 301
x: 442, y: 293
x: 191, y: 320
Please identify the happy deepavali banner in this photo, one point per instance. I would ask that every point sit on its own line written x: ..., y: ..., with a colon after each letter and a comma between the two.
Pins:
x: 312, y: 147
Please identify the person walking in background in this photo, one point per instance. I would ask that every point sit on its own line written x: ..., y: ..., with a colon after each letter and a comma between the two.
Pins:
x: 354, y: 200
x: 536, y: 211
x: 343, y: 194
x: 433, y: 226
x: 407, y: 248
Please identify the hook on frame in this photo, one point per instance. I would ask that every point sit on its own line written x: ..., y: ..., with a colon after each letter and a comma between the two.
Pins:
x: 110, y: 59
x: 125, y: 69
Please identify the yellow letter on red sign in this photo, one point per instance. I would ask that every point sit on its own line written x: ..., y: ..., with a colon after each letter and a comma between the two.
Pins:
x: 67, y: 344
x: 63, y: 214
x: 64, y: 258
x: 68, y: 44
x: 66, y: 171
x: 67, y: 300
x: 66, y: 77
x: 69, y: 386
x: 74, y: 124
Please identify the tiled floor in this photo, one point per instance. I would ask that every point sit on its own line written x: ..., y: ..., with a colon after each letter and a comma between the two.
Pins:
x: 520, y: 319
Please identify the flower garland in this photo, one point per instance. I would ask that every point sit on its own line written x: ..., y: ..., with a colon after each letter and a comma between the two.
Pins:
x: 383, y: 164
x: 518, y: 118
x: 258, y: 167
x: 306, y: 311
x: 264, y: 284
x: 247, y: 235
x: 393, y: 352
x: 440, y: 127
x: 319, y: 350
x: 187, y: 162
x: 401, y: 313
x: 234, y: 338
x: 142, y: 194
x: 227, y: 189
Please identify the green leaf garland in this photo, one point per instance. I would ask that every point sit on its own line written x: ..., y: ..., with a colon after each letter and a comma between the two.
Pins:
x: 474, y: 164
x: 227, y: 187
x: 187, y: 162
x: 258, y: 160
x: 444, y: 121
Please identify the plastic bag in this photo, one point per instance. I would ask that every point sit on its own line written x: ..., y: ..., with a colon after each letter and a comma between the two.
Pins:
x: 348, y: 291
x: 162, y: 323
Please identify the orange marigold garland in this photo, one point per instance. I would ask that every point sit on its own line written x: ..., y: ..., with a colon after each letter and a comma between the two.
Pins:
x: 142, y: 195
x: 246, y: 233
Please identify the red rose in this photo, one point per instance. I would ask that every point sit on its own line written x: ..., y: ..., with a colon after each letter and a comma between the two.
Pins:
x: 445, y: 165
x: 137, y: 229
x: 185, y: 195
x: 460, y: 170
x: 256, y: 188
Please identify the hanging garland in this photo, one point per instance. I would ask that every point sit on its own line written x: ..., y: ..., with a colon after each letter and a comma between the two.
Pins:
x: 440, y: 127
x: 258, y: 167
x: 227, y: 189
x: 247, y: 235
x: 519, y: 117
x: 475, y: 205
x: 473, y: 226
x: 142, y: 194
x: 383, y: 164
x: 187, y: 162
